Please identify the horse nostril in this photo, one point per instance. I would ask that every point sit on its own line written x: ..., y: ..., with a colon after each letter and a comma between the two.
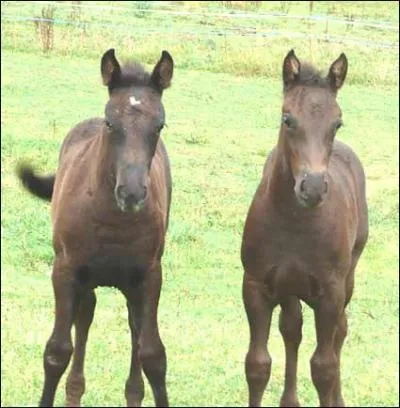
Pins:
x: 120, y: 191
x: 302, y: 184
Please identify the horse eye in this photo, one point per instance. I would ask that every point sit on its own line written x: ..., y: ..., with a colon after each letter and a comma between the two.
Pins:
x: 338, y: 125
x: 288, y: 120
x: 160, y: 127
x: 109, y: 125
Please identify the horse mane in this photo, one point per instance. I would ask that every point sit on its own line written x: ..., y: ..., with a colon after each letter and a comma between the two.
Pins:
x: 133, y: 74
x: 311, y: 76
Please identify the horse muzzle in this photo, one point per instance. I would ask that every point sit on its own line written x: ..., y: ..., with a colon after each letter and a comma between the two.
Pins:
x: 311, y: 188
x: 131, y: 199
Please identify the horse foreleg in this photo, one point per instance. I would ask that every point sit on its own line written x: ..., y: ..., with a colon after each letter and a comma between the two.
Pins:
x: 151, y: 351
x: 258, y: 359
x: 325, y: 362
x: 341, y: 332
x: 134, y: 387
x: 59, y: 347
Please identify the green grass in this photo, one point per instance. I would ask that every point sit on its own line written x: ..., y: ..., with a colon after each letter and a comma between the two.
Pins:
x: 220, y: 129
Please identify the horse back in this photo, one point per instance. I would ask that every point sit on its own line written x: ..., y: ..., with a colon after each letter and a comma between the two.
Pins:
x: 348, y: 173
x: 83, y: 131
x: 163, y: 177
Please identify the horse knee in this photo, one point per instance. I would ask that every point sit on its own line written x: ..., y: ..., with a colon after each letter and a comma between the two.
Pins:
x: 57, y: 355
x: 258, y: 366
x: 323, y: 369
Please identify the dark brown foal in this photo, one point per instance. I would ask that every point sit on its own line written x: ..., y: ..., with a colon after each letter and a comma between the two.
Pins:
x: 110, y: 201
x: 305, y: 231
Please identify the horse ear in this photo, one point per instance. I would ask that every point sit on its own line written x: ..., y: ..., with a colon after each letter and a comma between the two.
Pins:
x: 337, y: 72
x: 162, y: 72
x: 291, y: 68
x: 110, y: 69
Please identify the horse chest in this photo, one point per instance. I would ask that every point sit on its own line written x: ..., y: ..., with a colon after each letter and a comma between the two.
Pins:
x: 105, y: 254
x: 298, y: 246
x: 315, y: 247
x: 84, y: 235
x: 136, y: 239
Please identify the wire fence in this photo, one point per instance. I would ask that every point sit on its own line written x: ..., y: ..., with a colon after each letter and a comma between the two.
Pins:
x: 231, y: 15
x: 12, y: 12
x: 216, y: 32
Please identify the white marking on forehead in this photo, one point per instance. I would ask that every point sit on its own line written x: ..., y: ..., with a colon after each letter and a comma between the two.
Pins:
x: 133, y: 101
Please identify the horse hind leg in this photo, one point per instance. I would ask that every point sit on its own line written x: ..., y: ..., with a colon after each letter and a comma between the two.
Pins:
x: 258, y: 360
x: 75, y: 386
x: 290, y: 326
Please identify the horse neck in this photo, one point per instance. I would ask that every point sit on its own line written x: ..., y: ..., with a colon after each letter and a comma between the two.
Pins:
x: 282, y: 182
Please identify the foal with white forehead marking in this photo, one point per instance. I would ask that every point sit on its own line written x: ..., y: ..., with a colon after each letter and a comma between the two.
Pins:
x: 305, y: 231
x: 110, y: 201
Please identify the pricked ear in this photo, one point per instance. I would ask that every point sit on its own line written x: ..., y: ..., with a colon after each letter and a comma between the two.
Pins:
x: 110, y: 69
x: 162, y: 72
x: 337, y: 72
x: 291, y: 69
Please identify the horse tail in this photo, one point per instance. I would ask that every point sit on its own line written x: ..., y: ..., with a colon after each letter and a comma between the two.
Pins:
x: 40, y: 186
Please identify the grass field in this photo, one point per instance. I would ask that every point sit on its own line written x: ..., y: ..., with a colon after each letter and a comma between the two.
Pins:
x: 214, y: 38
x: 220, y: 130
